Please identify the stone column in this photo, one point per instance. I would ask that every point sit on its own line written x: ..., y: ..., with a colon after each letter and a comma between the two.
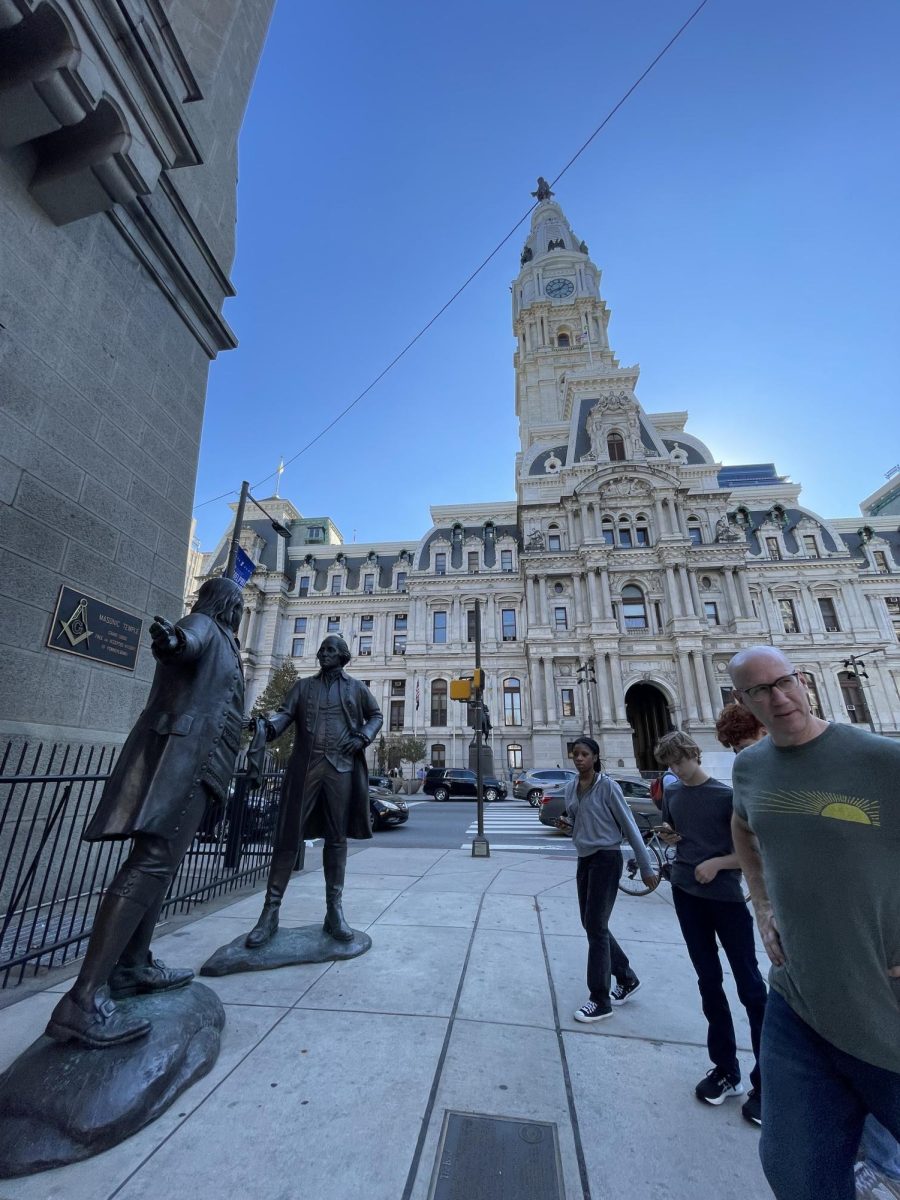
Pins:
x: 854, y: 609
x: 618, y: 691
x: 744, y: 591
x: 579, y: 604
x: 672, y: 588
x: 731, y: 593
x: 695, y: 593
x: 550, y: 691
x: 660, y: 518
x: 700, y: 684
x: 605, y: 593
x: 814, y: 622
x: 585, y: 525
x: 593, y: 596
x: 570, y: 525
x: 685, y: 589
x: 687, y: 690
x: 455, y: 621
x: 601, y: 670
x: 715, y: 693
x: 542, y: 592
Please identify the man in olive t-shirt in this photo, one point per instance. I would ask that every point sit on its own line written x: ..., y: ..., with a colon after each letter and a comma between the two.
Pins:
x: 816, y: 828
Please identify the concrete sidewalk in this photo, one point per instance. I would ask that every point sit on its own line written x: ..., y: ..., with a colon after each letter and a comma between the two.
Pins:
x: 334, y: 1078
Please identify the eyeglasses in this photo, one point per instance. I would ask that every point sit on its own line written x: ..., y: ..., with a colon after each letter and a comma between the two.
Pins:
x: 763, y: 691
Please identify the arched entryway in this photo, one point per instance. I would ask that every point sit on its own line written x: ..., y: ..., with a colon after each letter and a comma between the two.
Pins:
x: 648, y: 715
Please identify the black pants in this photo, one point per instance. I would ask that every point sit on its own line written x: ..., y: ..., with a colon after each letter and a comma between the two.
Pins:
x: 597, y: 880
x: 702, y: 921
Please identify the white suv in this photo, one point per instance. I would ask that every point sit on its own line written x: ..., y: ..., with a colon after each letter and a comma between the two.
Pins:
x: 530, y: 786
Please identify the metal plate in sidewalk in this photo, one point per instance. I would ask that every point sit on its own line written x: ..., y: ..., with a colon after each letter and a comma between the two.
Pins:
x: 496, y: 1158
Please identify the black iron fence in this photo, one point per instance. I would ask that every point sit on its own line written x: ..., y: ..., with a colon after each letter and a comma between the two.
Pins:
x: 51, y: 882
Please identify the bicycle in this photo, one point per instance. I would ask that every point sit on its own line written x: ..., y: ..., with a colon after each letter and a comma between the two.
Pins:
x: 630, y: 880
x: 661, y: 858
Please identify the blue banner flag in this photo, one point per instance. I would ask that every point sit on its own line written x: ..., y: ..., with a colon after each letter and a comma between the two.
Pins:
x: 243, y: 567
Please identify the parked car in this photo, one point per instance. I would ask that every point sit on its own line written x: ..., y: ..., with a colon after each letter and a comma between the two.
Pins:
x: 446, y: 783
x: 530, y: 784
x: 635, y: 790
x: 381, y: 781
x: 386, y: 809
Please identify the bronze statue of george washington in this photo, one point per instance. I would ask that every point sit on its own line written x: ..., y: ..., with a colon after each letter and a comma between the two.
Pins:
x: 180, y: 753
x: 326, y: 785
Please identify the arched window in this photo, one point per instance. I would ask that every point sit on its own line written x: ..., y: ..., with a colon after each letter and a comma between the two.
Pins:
x: 562, y: 341
x: 514, y: 756
x: 554, y: 541
x: 854, y: 700
x: 615, y: 445
x: 641, y: 530
x: 815, y: 704
x: 608, y: 531
x: 634, y: 608
x: 625, y: 533
x: 695, y: 533
x: 512, y: 701
x: 438, y: 754
x: 439, y: 702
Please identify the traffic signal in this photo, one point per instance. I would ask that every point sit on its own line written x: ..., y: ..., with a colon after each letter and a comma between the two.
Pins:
x: 478, y: 678
x: 460, y: 689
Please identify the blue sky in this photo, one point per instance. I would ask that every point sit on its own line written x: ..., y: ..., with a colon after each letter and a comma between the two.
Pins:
x: 742, y: 207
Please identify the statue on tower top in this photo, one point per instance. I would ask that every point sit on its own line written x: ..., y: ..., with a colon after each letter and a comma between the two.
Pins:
x: 543, y: 189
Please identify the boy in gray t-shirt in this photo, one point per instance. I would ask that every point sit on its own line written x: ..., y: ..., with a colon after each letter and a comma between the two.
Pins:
x: 709, y: 904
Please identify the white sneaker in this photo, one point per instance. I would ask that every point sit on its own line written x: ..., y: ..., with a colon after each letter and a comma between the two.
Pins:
x: 871, y: 1184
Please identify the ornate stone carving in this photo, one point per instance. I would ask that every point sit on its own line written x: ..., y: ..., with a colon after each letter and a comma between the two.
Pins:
x: 728, y: 531
x: 535, y: 540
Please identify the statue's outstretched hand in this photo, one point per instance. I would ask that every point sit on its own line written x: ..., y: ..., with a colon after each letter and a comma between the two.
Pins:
x: 164, y: 634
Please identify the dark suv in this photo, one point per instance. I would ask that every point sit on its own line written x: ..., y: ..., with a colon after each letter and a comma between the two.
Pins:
x: 446, y: 783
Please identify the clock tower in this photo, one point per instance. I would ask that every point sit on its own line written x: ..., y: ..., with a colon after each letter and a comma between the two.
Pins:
x: 560, y: 322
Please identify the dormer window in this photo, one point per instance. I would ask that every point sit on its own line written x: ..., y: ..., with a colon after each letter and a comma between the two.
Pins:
x: 440, y: 563
x: 615, y: 446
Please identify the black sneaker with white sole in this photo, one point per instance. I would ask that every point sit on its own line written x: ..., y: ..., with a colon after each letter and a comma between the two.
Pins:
x: 590, y: 1012
x: 717, y: 1086
x: 751, y: 1109
x: 624, y: 991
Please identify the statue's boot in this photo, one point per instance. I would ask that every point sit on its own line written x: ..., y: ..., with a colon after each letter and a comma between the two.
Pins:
x: 334, y: 862
x: 279, y: 877
x: 137, y: 971
x: 86, y: 1013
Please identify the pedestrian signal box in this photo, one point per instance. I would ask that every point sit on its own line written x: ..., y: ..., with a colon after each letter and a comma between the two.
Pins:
x: 460, y: 689
x: 478, y: 678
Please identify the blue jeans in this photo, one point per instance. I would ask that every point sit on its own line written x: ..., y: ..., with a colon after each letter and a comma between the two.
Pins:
x: 815, y: 1101
x: 879, y: 1149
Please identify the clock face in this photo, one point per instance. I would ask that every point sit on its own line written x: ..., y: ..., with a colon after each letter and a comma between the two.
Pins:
x: 557, y: 288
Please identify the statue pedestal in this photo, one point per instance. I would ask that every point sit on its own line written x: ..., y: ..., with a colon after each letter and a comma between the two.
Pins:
x: 288, y: 947
x: 487, y: 759
x: 61, y: 1102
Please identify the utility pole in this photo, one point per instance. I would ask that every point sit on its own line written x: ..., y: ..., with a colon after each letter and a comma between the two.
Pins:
x: 236, y: 532
x: 857, y: 669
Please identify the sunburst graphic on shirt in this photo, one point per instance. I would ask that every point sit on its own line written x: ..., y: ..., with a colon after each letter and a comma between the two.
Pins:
x: 835, y: 805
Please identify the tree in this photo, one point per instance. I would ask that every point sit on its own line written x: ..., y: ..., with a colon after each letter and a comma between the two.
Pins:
x: 283, y: 679
x: 411, y: 749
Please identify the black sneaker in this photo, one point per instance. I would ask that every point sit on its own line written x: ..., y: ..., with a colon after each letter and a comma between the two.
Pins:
x: 622, y: 991
x: 592, y: 1012
x: 717, y: 1086
x: 751, y: 1109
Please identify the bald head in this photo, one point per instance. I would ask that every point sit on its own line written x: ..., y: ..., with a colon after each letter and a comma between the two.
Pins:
x: 755, y: 658
x: 768, y: 684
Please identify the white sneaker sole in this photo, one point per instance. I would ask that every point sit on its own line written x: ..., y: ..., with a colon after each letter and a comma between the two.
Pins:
x: 731, y: 1094
x: 579, y: 1016
x: 625, y: 999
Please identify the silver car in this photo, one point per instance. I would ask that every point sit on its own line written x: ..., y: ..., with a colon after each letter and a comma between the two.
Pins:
x: 635, y: 790
x: 531, y: 785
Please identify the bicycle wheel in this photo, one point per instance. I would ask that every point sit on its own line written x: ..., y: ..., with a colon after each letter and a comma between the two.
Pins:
x: 630, y: 880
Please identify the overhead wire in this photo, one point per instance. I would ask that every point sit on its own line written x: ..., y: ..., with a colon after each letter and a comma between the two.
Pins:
x: 499, y: 246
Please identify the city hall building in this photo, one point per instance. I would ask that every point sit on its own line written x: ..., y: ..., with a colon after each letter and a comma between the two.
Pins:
x: 614, y: 588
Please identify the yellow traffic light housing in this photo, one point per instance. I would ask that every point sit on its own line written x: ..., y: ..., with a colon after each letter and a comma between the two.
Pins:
x: 478, y: 678
x: 460, y: 689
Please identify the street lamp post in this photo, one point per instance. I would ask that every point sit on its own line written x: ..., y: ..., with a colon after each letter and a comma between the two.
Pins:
x: 857, y: 669
x: 238, y: 523
x: 586, y: 676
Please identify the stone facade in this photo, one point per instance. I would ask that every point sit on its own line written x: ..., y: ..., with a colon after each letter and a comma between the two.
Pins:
x: 118, y: 168
x: 614, y: 589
